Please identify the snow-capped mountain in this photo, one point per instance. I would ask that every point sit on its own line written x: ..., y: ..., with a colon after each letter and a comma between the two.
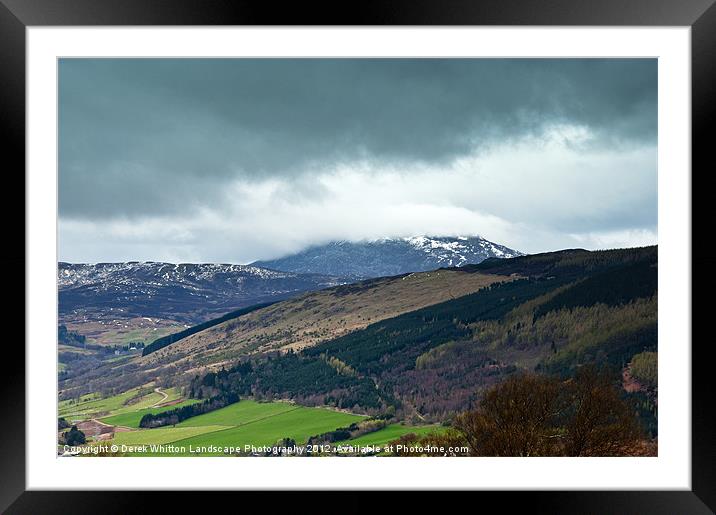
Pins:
x: 390, y: 256
x: 186, y: 292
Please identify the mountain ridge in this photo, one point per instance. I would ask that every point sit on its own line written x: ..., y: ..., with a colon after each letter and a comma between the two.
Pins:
x: 389, y: 256
x: 183, y: 291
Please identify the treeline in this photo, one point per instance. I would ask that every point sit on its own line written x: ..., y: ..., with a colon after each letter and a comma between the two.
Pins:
x: 222, y: 382
x: 613, y: 288
x: 67, y: 337
x: 123, y: 348
x: 164, y: 341
x: 74, y: 339
x: 174, y: 416
x: 565, y: 263
x: 101, y: 349
x: 355, y: 430
x: 309, y: 379
x: 341, y: 433
x: 614, y: 349
x: 217, y: 389
x: 395, y: 343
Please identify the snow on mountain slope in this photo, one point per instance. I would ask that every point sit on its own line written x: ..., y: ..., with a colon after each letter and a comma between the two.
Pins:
x: 193, y: 293
x: 184, y: 292
x: 390, y: 256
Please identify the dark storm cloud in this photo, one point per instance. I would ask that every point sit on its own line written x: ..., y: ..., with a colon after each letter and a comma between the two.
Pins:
x: 160, y: 137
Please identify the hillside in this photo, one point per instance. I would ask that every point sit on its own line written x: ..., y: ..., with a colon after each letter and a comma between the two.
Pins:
x: 421, y: 346
x: 566, y: 309
x: 125, y: 303
x: 319, y: 316
x: 390, y: 256
x: 291, y: 324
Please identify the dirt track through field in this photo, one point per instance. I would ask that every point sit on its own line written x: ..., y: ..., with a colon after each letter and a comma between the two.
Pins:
x: 159, y: 402
x: 94, y: 427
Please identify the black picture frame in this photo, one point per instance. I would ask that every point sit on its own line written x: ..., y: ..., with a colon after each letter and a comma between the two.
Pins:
x: 17, y: 15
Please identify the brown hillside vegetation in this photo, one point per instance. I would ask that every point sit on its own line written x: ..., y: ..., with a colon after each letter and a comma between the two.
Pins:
x: 318, y: 316
x: 292, y: 324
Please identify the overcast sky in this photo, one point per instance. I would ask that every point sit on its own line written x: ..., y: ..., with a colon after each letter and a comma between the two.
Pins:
x: 233, y: 160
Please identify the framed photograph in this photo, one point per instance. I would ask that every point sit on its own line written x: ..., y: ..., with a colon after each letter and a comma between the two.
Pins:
x: 412, y: 249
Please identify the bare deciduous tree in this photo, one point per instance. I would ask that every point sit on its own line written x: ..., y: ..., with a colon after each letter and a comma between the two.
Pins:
x: 533, y: 415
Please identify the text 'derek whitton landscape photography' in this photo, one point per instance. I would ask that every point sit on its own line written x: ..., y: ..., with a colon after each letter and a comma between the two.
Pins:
x: 357, y: 257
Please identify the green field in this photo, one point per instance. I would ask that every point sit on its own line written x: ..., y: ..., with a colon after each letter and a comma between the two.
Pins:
x: 117, y: 359
x: 144, y: 402
x: 388, y: 434
x: 161, y: 435
x: 71, y: 348
x: 92, y: 406
x: 85, y: 408
x: 84, y: 398
x: 244, y: 423
x: 240, y: 413
x: 299, y: 424
x: 133, y: 418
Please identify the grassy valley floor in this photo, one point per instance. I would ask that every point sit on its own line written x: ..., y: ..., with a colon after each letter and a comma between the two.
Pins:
x: 237, y: 429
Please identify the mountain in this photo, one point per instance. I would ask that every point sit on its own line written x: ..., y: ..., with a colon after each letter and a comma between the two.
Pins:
x: 550, y: 313
x: 183, y: 292
x: 390, y: 256
x: 421, y: 345
x: 418, y: 347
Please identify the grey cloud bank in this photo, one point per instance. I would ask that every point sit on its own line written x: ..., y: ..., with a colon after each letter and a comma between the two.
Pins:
x: 241, y: 159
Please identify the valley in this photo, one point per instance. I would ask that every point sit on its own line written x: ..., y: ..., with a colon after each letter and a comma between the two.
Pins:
x: 244, y: 424
x: 402, y: 356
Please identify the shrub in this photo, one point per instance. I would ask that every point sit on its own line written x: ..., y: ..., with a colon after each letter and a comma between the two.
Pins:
x: 74, y: 436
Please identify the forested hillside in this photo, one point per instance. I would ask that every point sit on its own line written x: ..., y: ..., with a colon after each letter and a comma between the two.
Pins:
x: 566, y: 309
x: 291, y: 324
